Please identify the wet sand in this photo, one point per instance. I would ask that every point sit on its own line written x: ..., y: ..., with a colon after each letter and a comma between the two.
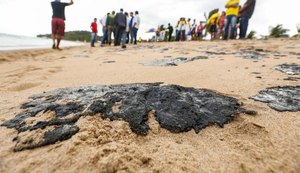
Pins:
x: 266, y: 142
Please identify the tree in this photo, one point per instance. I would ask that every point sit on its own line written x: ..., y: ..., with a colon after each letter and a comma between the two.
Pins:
x: 73, y: 35
x: 278, y: 31
x: 251, y: 35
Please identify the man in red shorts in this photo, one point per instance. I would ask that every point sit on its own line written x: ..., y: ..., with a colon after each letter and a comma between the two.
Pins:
x: 58, y: 21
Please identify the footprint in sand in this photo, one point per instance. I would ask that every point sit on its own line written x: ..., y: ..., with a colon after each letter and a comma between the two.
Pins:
x: 24, y: 86
x: 55, y: 69
x: 17, y: 80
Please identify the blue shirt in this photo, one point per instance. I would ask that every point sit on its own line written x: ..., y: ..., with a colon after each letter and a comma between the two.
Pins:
x: 58, y: 9
x: 131, y: 22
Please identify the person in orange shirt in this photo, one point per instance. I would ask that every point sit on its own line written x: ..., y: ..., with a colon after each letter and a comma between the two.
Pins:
x: 231, y: 18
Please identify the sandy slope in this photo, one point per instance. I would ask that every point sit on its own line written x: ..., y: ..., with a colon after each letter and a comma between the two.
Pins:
x: 267, y: 142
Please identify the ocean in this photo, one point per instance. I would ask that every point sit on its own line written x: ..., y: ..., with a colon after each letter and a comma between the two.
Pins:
x: 16, y: 42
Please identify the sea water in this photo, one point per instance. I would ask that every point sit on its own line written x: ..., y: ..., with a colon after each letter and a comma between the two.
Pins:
x: 16, y: 42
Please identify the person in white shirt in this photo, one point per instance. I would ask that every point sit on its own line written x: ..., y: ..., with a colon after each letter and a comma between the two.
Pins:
x: 135, y: 26
x: 104, y: 29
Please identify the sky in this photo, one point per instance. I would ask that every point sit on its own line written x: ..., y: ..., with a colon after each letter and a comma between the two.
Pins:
x: 33, y: 17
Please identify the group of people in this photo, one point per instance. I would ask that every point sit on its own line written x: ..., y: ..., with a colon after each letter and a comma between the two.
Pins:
x: 184, y: 30
x: 235, y: 18
x: 220, y: 26
x: 123, y: 26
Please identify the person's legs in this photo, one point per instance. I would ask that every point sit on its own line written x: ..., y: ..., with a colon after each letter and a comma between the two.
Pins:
x: 54, y: 31
x: 135, y: 30
x: 232, y: 26
x: 177, y: 35
x: 53, y: 40
x: 123, y: 32
x: 183, y: 35
x: 104, y: 37
x: 60, y: 32
x: 120, y: 34
x: 93, y: 38
x: 116, y: 36
x: 131, y: 36
x: 226, y: 28
x: 58, y: 37
x: 243, y: 27
x: 127, y: 37
x: 109, y: 32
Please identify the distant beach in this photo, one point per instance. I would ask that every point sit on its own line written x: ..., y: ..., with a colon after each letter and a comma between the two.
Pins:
x: 16, y: 42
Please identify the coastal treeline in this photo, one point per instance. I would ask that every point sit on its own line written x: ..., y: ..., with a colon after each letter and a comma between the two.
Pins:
x: 84, y: 36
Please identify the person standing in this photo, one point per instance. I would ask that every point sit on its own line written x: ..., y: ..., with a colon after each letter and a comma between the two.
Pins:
x: 246, y: 13
x: 170, y: 28
x: 222, y: 24
x: 94, y: 32
x: 182, y: 27
x: 110, y: 26
x: 130, y: 27
x: 120, y: 23
x: 189, y: 30
x: 200, y: 28
x: 135, y: 26
x: 194, y: 27
x: 127, y: 27
x: 177, y: 31
x: 231, y: 18
x: 58, y: 21
x: 104, y: 29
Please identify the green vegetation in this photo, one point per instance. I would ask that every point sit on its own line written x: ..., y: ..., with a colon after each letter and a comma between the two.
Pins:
x: 298, y: 30
x: 278, y: 31
x: 73, y: 36
x: 251, y: 35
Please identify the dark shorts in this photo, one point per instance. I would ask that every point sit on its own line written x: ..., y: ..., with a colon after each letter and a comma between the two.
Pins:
x: 213, y: 28
x: 58, y: 27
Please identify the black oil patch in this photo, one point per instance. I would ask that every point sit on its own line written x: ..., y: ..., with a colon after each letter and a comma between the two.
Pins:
x: 173, y: 61
x: 290, y: 69
x: 176, y: 108
x: 282, y: 99
x: 251, y: 54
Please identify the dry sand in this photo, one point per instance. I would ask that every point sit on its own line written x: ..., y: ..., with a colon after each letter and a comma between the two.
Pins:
x: 267, y: 142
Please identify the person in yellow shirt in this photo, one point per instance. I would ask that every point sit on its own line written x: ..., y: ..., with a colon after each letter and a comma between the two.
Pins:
x: 213, y: 22
x: 231, y: 18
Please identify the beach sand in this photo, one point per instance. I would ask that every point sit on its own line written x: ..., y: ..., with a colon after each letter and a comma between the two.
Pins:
x: 266, y: 142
